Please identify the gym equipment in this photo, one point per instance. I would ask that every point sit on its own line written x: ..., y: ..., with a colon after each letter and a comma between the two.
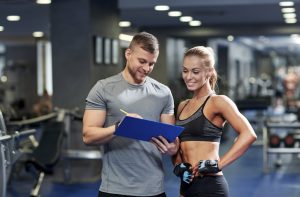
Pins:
x: 274, y: 141
x: 32, y: 121
x: 47, y: 154
x: 184, y: 171
x: 208, y: 166
x: 68, y: 117
x: 9, y: 152
x: 289, y: 140
x: 270, y: 127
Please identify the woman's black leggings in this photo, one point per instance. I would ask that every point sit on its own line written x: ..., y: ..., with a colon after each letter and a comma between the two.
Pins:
x: 207, y: 186
x: 103, y: 194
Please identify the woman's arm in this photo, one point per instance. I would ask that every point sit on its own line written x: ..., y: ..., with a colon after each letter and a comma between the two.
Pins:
x: 246, y: 135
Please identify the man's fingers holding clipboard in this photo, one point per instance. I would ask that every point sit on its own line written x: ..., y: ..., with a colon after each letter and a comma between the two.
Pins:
x: 164, y: 146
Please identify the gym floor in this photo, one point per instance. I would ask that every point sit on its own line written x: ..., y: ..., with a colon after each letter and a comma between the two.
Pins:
x: 245, y: 178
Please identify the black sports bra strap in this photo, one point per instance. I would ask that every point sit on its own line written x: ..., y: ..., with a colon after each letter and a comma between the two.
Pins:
x: 203, y: 105
x: 178, y: 114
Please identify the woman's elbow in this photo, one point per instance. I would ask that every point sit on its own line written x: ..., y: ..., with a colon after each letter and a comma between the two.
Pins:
x: 252, y: 137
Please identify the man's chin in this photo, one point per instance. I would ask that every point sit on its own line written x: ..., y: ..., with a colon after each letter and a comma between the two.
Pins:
x: 139, y: 80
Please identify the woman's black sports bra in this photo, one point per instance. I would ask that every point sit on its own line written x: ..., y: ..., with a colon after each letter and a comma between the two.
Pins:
x: 198, y: 128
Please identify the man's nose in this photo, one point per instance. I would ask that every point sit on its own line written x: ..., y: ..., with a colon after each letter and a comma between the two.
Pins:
x: 146, y: 68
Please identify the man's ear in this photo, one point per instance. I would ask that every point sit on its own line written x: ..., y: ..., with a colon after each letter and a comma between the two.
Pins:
x: 127, y: 53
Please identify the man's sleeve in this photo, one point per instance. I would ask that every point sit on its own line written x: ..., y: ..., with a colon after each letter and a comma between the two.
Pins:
x: 96, y: 97
x: 169, y: 107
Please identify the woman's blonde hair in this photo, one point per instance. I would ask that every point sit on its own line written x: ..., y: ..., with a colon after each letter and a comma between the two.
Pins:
x: 208, y: 62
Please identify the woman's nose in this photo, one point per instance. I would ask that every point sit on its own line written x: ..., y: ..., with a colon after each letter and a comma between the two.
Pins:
x: 188, y: 75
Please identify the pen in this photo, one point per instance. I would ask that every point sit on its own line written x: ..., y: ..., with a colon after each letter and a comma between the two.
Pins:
x: 124, y: 111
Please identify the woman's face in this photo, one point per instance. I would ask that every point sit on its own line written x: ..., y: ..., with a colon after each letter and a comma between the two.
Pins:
x: 194, y: 73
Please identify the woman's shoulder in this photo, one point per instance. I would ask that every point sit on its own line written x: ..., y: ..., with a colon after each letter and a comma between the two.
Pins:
x: 220, y: 100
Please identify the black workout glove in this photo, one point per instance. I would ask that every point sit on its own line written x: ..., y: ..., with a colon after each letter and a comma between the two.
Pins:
x: 184, y: 171
x: 208, y: 166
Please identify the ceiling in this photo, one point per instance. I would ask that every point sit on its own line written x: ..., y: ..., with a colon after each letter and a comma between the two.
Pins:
x: 211, y: 13
x: 219, y: 18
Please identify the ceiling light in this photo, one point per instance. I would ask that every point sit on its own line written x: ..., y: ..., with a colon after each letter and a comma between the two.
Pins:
x: 38, y: 34
x: 125, y: 37
x: 288, y: 10
x: 174, y: 13
x: 230, y: 38
x: 185, y: 18
x: 3, y: 78
x: 1, y: 28
x: 195, y: 23
x: 13, y: 18
x: 161, y: 8
x: 124, y: 23
x: 286, y: 3
x: 43, y: 1
x: 291, y: 20
x: 289, y: 15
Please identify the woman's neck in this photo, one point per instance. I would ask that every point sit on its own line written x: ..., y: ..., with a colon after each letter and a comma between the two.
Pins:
x: 203, y: 92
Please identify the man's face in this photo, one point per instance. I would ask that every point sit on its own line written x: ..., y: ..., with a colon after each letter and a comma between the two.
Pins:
x: 140, y: 63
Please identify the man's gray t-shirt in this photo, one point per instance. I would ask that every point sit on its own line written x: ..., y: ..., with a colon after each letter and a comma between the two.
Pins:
x: 131, y: 167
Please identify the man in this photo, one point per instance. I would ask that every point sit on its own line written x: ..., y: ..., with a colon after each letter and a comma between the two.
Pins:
x: 130, y: 167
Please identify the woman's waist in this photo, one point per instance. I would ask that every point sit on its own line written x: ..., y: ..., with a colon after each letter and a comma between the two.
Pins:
x: 194, y: 152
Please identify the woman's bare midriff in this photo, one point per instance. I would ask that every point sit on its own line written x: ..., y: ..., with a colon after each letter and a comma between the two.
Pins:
x: 194, y: 151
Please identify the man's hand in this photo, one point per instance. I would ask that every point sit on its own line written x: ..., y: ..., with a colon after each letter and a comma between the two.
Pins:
x: 164, y: 146
x: 184, y: 171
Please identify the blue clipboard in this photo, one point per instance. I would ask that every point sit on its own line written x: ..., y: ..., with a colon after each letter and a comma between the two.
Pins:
x: 142, y: 129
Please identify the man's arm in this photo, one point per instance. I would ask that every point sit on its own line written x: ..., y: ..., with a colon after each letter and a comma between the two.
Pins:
x: 167, y: 118
x: 93, y: 131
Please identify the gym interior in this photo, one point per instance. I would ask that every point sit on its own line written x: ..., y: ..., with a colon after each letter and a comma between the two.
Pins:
x: 52, y: 52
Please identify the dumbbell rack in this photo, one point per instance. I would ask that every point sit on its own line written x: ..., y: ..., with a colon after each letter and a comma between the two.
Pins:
x: 268, y: 150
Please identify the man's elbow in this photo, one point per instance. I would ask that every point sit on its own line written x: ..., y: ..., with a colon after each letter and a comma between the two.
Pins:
x: 85, y: 138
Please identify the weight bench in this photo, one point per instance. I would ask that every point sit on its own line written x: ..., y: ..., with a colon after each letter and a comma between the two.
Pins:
x: 47, y: 154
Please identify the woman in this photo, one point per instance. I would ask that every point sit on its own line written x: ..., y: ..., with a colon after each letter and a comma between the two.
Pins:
x: 203, y: 116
